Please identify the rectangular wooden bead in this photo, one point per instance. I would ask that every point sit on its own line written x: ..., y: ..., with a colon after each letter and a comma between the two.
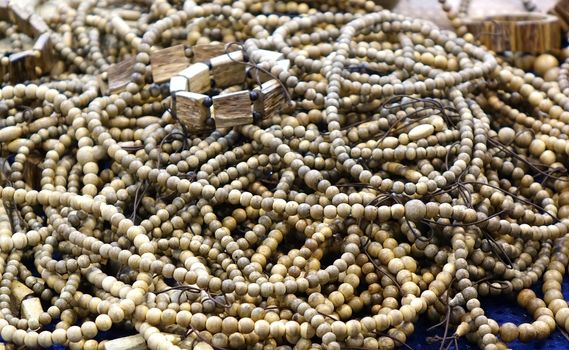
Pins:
x: 4, y: 8
x: 227, y: 69
x: 561, y: 10
x: 20, y: 15
x: 37, y: 25
x: 45, y: 46
x: 271, y: 99
x: 168, y: 62
x: 119, y: 74
x: 102, y: 84
x: 22, y: 66
x: 133, y: 342
x: 4, y: 70
x: 232, y: 109
x: 136, y: 342
x: 178, y: 83
x: 20, y: 291
x: 205, y: 52
x: 32, y: 169
x: 192, y: 112
x: 31, y: 308
x: 198, y: 77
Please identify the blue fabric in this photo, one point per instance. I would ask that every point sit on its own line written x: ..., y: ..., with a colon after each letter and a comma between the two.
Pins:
x: 502, y: 309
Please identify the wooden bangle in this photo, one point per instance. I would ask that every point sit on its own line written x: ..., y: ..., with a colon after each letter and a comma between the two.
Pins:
x: 28, y: 64
x: 528, y: 32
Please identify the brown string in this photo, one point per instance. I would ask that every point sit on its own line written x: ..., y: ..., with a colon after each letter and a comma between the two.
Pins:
x: 191, y: 330
x: 516, y: 197
x: 498, y: 250
x: 380, y: 268
x: 138, y: 199
x: 184, y: 288
x: 487, y: 279
x: 434, y: 222
x: 530, y: 164
x: 329, y: 316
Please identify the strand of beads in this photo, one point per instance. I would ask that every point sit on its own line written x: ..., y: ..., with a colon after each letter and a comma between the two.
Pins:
x: 413, y: 174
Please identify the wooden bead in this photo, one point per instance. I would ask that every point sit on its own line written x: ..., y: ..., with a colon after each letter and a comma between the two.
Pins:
x: 178, y: 83
x: 205, y: 52
x: 517, y: 32
x: 133, y: 342
x: 168, y: 62
x: 271, y: 99
x: 47, y: 60
x: 20, y: 16
x: 545, y: 62
x: 228, y: 69
x: 20, y: 291
x: 31, y: 308
x: 232, y: 109
x: 192, y: 111
x: 119, y: 74
x: 22, y: 66
x: 198, y: 77
x: 4, y: 10
x: 37, y: 26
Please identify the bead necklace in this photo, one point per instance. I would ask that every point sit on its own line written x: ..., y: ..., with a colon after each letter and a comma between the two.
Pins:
x: 411, y: 174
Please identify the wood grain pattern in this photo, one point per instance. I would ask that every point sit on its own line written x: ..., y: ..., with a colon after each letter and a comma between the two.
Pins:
x: 532, y: 33
x: 561, y: 10
x: 102, y: 84
x: 119, y: 74
x: 271, y: 99
x: 45, y: 46
x: 4, y: 10
x: 20, y: 291
x: 22, y: 66
x: 204, y: 52
x: 168, y: 62
x: 31, y: 308
x: 4, y: 72
x: 232, y: 109
x: 19, y: 16
x: 32, y: 170
x: 226, y: 69
x: 191, y: 111
x: 37, y: 25
x: 133, y: 342
x: 136, y: 342
x: 198, y: 77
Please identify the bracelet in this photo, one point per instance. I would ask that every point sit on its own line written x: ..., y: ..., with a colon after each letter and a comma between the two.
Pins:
x: 198, y: 111
x: 165, y: 63
x: 215, y: 65
x: 528, y: 32
x: 28, y: 64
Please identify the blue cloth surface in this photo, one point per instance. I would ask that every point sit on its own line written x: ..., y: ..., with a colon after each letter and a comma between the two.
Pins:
x: 501, y: 308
